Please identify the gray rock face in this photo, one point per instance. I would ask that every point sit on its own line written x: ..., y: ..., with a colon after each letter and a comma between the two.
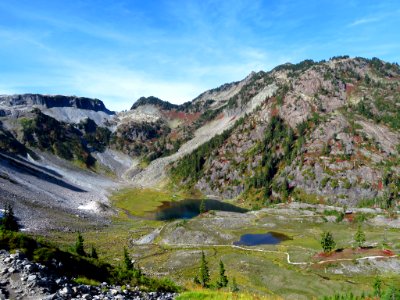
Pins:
x: 69, y: 109
x: 341, y: 158
x: 50, y: 101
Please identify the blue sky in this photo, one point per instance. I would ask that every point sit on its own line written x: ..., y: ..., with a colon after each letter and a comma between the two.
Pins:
x: 118, y: 51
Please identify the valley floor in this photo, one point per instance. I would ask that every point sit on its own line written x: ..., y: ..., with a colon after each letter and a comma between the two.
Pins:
x: 293, y: 269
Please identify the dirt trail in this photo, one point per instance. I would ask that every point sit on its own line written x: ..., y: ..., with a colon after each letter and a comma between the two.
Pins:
x: 288, y: 260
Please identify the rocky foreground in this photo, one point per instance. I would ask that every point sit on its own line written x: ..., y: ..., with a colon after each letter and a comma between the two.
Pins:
x: 23, y: 279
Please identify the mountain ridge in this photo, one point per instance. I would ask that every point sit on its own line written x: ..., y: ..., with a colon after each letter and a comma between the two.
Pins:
x: 334, y: 136
x: 50, y: 101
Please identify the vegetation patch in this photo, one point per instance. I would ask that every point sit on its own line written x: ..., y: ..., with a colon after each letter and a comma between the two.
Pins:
x: 219, y: 295
x: 139, y: 202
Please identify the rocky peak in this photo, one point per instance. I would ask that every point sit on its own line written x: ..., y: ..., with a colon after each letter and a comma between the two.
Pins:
x: 50, y: 101
x: 156, y: 102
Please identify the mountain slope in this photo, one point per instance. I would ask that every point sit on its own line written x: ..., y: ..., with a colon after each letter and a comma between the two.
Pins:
x: 335, y: 138
x: 316, y: 131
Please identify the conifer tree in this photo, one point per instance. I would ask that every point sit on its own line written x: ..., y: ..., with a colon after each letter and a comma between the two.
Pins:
x: 202, y: 208
x: 127, y: 261
x: 377, y: 287
x: 359, y: 237
x: 93, y: 253
x: 79, y: 248
x: 223, y: 279
x: 9, y: 222
x: 327, y: 242
x: 204, y: 271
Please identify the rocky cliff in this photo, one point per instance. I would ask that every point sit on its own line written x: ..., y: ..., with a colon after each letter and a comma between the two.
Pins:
x: 50, y: 101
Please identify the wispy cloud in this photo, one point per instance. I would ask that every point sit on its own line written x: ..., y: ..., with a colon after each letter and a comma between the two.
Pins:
x: 121, y: 87
x: 74, y: 23
x: 121, y: 50
x: 116, y: 85
x: 364, y: 21
x: 15, y: 37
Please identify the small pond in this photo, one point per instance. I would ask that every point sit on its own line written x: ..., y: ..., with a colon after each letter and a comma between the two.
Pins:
x: 269, y: 238
x: 190, y: 208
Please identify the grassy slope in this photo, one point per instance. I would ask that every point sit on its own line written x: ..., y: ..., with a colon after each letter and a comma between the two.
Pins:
x: 263, y: 273
x: 139, y: 202
x: 217, y: 295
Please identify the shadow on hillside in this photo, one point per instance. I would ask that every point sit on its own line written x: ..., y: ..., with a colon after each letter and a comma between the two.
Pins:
x: 22, y: 166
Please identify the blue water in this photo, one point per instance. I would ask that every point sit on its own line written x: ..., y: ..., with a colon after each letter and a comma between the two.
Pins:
x: 269, y: 238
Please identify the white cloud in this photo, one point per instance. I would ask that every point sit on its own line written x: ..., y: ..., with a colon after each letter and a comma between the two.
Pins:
x: 16, y: 37
x: 364, y: 21
x: 120, y: 88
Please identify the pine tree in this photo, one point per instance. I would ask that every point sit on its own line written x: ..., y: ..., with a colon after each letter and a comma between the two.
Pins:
x: 9, y: 222
x: 204, y: 271
x: 377, y: 287
x: 79, y: 248
x: 127, y: 261
x: 93, y: 253
x: 285, y: 190
x: 327, y: 242
x: 223, y: 279
x: 359, y: 237
x: 202, y: 208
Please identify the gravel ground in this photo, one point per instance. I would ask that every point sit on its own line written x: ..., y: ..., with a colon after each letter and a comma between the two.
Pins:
x: 41, y: 189
x: 23, y: 279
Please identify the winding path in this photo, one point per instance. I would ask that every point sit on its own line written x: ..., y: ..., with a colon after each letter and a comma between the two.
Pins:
x: 277, y: 252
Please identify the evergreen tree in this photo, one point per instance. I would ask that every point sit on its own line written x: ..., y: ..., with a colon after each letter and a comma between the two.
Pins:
x: 327, y: 242
x: 9, y: 222
x: 93, y: 253
x: 359, y: 237
x: 79, y: 248
x: 204, y: 271
x: 223, y: 279
x: 267, y: 190
x: 377, y: 287
x: 127, y: 261
x: 285, y: 190
x: 202, y: 207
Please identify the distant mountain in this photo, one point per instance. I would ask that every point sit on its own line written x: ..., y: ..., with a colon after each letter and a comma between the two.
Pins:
x: 325, y: 131
x: 154, y: 101
x: 50, y: 101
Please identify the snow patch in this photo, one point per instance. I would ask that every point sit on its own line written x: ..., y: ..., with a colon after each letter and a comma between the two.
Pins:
x: 92, y: 206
